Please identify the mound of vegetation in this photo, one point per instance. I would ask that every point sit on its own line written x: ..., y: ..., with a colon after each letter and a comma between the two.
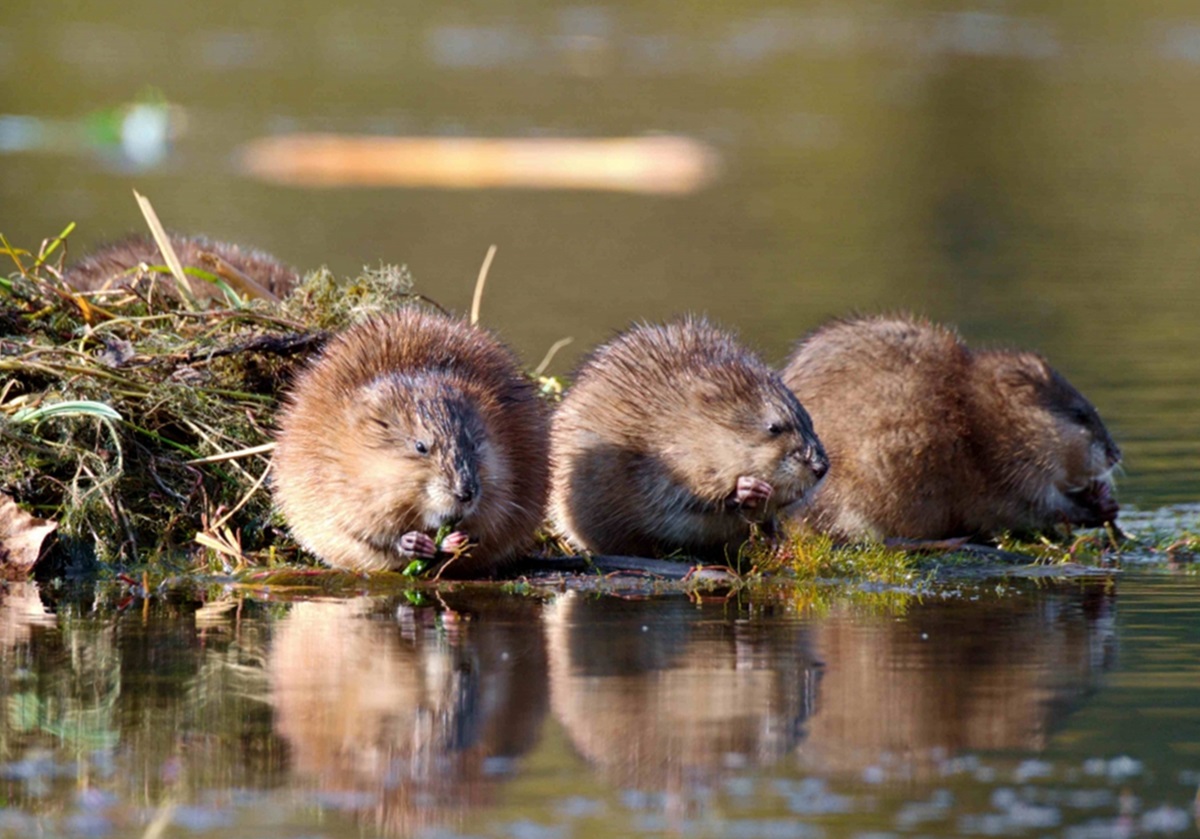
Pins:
x: 140, y: 421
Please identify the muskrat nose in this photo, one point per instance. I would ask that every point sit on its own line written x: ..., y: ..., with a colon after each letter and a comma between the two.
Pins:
x: 464, y: 494
x: 1114, y: 454
x: 818, y: 463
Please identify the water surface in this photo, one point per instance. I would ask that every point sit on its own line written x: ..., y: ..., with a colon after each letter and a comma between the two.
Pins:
x: 1013, y: 709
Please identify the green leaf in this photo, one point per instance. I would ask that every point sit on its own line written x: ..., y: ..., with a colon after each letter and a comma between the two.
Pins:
x: 69, y: 408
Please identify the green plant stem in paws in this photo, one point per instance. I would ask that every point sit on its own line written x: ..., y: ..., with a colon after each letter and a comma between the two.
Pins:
x: 415, y: 568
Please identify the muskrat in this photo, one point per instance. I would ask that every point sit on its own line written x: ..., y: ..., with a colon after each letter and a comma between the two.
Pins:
x: 928, y: 439
x: 109, y: 265
x: 407, y: 423
x: 676, y: 437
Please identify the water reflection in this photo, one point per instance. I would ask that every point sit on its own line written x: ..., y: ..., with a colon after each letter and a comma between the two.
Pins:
x: 109, y: 712
x: 993, y: 673
x: 486, y: 713
x: 661, y: 695
x: 408, y: 717
x: 21, y: 609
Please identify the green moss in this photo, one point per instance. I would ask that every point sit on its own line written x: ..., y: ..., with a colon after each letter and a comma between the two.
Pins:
x: 806, y: 555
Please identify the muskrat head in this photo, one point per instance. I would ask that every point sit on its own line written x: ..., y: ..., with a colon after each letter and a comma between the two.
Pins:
x: 1064, y: 453
x: 765, y: 433
x: 426, y: 454
x: 791, y: 444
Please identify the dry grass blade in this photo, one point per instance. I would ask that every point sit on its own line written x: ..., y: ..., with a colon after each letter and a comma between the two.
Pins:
x: 240, y: 453
x: 245, y: 284
x: 480, y: 282
x: 164, y: 245
x: 550, y: 353
x: 242, y: 503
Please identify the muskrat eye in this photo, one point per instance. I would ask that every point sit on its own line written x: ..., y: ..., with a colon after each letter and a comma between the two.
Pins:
x: 421, y: 447
x: 775, y: 429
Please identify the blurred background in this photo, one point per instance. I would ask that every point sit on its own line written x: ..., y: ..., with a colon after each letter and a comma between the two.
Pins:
x: 1029, y: 171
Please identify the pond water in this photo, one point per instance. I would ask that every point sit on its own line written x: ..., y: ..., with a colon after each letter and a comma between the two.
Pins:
x: 1026, y: 170
x: 999, y: 708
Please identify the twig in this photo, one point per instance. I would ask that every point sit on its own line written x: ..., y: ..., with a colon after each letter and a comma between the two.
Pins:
x: 606, y: 565
x: 274, y: 344
x: 231, y: 275
x: 217, y: 458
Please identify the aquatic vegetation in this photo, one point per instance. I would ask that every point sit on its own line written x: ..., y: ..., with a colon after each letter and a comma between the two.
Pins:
x: 809, y: 555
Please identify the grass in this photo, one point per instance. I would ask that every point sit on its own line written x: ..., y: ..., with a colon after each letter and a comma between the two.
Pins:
x: 807, y: 555
x: 136, y: 420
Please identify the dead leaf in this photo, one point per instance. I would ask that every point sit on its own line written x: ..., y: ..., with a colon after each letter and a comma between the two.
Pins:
x: 21, y: 538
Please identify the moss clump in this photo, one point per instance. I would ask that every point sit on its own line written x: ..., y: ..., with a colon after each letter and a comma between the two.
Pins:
x: 808, y: 555
x: 1092, y: 547
x: 173, y: 406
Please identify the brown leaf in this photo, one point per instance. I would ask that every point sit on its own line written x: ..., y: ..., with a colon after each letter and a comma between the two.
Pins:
x: 21, y: 537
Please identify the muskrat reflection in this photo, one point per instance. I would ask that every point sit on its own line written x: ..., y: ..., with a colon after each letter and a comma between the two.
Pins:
x: 948, y: 678
x: 406, y: 715
x: 660, y: 694
x: 21, y: 609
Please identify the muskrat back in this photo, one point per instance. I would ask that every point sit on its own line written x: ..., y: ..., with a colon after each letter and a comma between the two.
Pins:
x: 928, y: 439
x: 111, y: 264
x: 676, y: 437
x: 409, y: 423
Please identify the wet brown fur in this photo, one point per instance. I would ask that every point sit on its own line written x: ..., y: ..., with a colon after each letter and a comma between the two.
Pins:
x: 350, y: 487
x: 928, y: 439
x: 649, y: 443
x: 117, y: 263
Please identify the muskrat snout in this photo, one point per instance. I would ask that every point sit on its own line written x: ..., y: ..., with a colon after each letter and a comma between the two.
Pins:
x: 815, y: 457
x: 1113, y: 453
x: 455, y: 494
x: 466, y: 490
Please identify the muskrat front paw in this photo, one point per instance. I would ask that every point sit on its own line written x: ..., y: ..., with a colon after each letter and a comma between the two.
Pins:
x: 415, y: 543
x: 750, y: 491
x: 454, y: 541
